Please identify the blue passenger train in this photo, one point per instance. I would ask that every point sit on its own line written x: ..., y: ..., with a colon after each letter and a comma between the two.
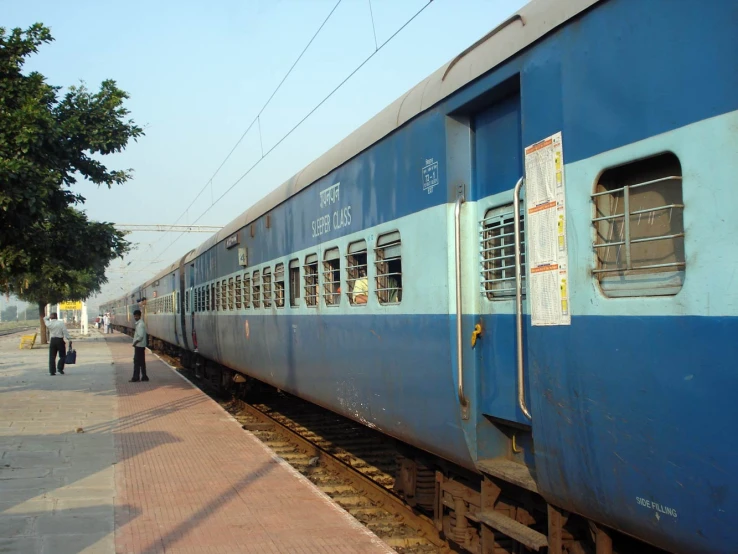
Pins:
x: 523, y: 271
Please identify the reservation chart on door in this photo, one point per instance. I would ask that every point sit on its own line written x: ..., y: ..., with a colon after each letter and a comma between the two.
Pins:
x: 546, y: 232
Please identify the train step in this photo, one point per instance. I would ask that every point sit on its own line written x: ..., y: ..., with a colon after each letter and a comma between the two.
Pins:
x: 513, y: 529
x: 509, y: 471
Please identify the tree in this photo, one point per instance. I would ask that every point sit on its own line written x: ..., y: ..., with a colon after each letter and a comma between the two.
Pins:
x: 68, y: 260
x: 46, y: 144
x: 10, y: 313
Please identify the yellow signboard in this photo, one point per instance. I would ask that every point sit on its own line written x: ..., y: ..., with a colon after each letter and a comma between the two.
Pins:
x: 70, y: 305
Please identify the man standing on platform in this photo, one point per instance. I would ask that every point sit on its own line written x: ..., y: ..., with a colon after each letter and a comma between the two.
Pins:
x: 57, y: 333
x: 106, y: 323
x: 139, y: 349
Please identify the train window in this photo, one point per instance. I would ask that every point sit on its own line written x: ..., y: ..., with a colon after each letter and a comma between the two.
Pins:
x: 388, y: 262
x: 267, y: 279
x: 197, y: 299
x: 332, y: 277
x: 639, y: 228
x: 223, y: 294
x: 246, y: 290
x: 231, y: 293
x: 218, y: 296
x: 238, y: 292
x: 497, y: 241
x: 357, y: 281
x: 279, y: 285
x: 209, y: 293
x: 294, y: 282
x: 310, y: 272
x: 256, y: 290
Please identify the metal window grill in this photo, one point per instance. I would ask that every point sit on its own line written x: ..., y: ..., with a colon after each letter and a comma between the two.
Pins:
x: 332, y: 277
x: 256, y: 290
x: 207, y: 298
x: 267, y: 282
x: 216, y: 285
x: 231, y: 293
x: 615, y: 221
x: 279, y: 285
x: 357, y: 269
x: 311, y: 280
x: 223, y: 294
x: 246, y: 291
x: 497, y: 253
x: 294, y: 282
x: 388, y: 264
x: 238, y: 292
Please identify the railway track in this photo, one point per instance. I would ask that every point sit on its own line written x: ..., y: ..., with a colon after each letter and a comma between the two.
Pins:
x: 350, y: 463
x: 6, y: 332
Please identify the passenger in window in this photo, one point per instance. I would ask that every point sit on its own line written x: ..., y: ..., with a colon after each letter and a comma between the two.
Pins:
x: 361, y: 290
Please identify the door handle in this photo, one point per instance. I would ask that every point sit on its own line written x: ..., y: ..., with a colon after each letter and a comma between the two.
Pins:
x: 476, y: 334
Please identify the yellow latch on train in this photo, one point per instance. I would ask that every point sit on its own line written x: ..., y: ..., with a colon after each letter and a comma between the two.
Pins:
x: 475, y: 334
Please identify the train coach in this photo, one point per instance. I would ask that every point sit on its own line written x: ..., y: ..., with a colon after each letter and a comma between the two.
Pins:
x: 523, y: 271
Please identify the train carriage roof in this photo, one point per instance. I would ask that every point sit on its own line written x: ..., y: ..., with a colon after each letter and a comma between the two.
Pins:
x: 517, y: 32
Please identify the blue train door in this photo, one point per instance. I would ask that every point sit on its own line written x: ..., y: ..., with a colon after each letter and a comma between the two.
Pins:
x: 498, y: 166
x: 175, y: 308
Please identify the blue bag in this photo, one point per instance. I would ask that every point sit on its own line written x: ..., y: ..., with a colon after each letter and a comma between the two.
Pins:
x: 71, y: 358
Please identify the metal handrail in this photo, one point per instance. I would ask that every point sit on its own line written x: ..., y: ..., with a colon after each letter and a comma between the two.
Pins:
x: 459, y: 339
x: 519, y: 300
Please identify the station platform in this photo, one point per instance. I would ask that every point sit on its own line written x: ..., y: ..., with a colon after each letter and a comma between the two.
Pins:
x: 92, y: 463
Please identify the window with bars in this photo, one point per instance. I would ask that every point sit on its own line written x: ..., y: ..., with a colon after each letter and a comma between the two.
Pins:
x: 256, y: 290
x: 231, y: 293
x: 279, y: 285
x: 639, y: 228
x: 357, y: 279
x: 239, y: 301
x: 388, y: 263
x: 332, y: 277
x: 209, y: 293
x: 218, y: 296
x: 267, y: 282
x: 295, y: 282
x: 497, y: 249
x: 224, y: 294
x: 198, y: 299
x: 246, y: 291
x: 310, y: 273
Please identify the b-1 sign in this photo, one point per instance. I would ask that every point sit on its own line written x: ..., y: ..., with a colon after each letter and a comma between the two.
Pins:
x: 69, y: 305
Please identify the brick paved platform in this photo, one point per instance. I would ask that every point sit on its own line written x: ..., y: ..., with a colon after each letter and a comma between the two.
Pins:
x: 189, y: 479
x: 158, y: 467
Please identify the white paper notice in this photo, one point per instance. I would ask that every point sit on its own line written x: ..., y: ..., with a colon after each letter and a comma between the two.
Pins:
x: 547, y: 252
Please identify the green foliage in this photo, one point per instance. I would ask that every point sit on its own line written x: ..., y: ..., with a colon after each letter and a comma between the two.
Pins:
x: 50, y: 251
x: 10, y: 313
x: 69, y: 258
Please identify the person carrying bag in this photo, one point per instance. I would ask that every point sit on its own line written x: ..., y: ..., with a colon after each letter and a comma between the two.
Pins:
x: 71, y: 357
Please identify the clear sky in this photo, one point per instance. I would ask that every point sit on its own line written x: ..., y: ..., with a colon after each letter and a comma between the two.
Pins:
x: 199, y: 72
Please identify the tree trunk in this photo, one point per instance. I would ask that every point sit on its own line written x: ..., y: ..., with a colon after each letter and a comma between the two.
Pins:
x: 41, y: 314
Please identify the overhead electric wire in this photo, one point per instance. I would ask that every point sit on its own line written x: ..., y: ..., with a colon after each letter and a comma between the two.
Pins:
x: 292, y: 130
x: 258, y: 115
